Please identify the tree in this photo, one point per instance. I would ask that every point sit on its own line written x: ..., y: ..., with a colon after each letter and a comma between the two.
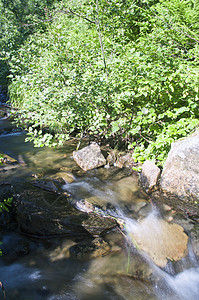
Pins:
x: 18, y: 20
x: 121, y: 70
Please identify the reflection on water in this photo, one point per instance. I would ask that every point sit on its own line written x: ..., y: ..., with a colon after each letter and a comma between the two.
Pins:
x: 45, y: 271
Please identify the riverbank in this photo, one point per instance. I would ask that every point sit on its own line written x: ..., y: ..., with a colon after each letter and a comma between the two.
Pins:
x: 58, y: 244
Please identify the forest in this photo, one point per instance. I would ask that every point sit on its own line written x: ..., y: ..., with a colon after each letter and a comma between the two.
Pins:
x: 122, y: 71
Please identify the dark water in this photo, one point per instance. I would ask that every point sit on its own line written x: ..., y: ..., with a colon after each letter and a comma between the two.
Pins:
x: 34, y: 269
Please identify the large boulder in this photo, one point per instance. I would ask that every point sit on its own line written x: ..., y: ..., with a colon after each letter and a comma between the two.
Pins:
x: 89, y: 157
x: 48, y: 213
x: 180, y: 176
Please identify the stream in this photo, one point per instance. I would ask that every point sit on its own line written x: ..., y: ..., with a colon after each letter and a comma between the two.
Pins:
x: 40, y: 267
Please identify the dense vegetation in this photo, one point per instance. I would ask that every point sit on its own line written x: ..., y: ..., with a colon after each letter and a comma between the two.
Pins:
x: 122, y: 70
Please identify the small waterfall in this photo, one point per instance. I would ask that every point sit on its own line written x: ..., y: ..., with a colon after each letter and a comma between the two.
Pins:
x: 168, y: 284
x: 163, y: 245
x: 152, y: 233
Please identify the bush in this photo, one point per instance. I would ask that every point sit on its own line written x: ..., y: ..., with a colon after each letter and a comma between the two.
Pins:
x: 126, y: 71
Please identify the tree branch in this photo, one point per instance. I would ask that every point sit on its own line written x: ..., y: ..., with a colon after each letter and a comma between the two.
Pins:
x: 79, y: 15
x: 172, y: 26
x: 70, y: 11
x: 100, y: 38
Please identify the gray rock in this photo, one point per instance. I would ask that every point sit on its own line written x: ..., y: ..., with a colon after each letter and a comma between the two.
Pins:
x: 149, y: 175
x: 180, y: 175
x: 89, y: 157
x: 124, y: 161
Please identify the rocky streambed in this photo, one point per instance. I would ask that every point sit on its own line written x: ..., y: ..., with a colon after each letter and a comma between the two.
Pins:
x: 75, y: 234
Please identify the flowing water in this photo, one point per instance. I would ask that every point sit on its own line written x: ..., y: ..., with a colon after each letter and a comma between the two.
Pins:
x: 44, y: 271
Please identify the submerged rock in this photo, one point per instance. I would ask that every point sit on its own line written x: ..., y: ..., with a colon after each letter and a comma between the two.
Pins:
x: 14, y: 246
x: 9, y: 163
x: 161, y: 240
x: 47, y: 185
x: 84, y: 250
x: 89, y: 157
x: 180, y: 176
x: 129, y: 192
x: 64, y: 177
x: 149, y: 175
x: 6, y: 159
x: 89, y: 249
x: 121, y: 263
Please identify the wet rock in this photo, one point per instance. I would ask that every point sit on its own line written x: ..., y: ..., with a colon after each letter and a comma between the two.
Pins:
x: 64, y: 177
x: 44, y: 213
x: 89, y: 157
x: 180, y: 176
x: 161, y: 240
x: 6, y: 159
x: 126, y: 186
x: 48, y: 185
x: 149, y: 175
x: 89, y: 249
x: 91, y: 204
x: 191, y: 228
x: 194, y: 235
x: 8, y: 163
x: 144, y: 210
x: 97, y: 225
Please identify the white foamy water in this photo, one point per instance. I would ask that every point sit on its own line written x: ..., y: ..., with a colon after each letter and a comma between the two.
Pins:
x: 181, y: 286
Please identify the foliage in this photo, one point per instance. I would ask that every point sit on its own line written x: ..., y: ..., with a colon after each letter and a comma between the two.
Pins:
x: 5, y: 204
x: 16, y: 20
x: 121, y: 70
x: 1, y: 158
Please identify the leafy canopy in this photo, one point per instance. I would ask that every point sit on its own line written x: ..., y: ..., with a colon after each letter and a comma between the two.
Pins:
x: 121, y: 70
